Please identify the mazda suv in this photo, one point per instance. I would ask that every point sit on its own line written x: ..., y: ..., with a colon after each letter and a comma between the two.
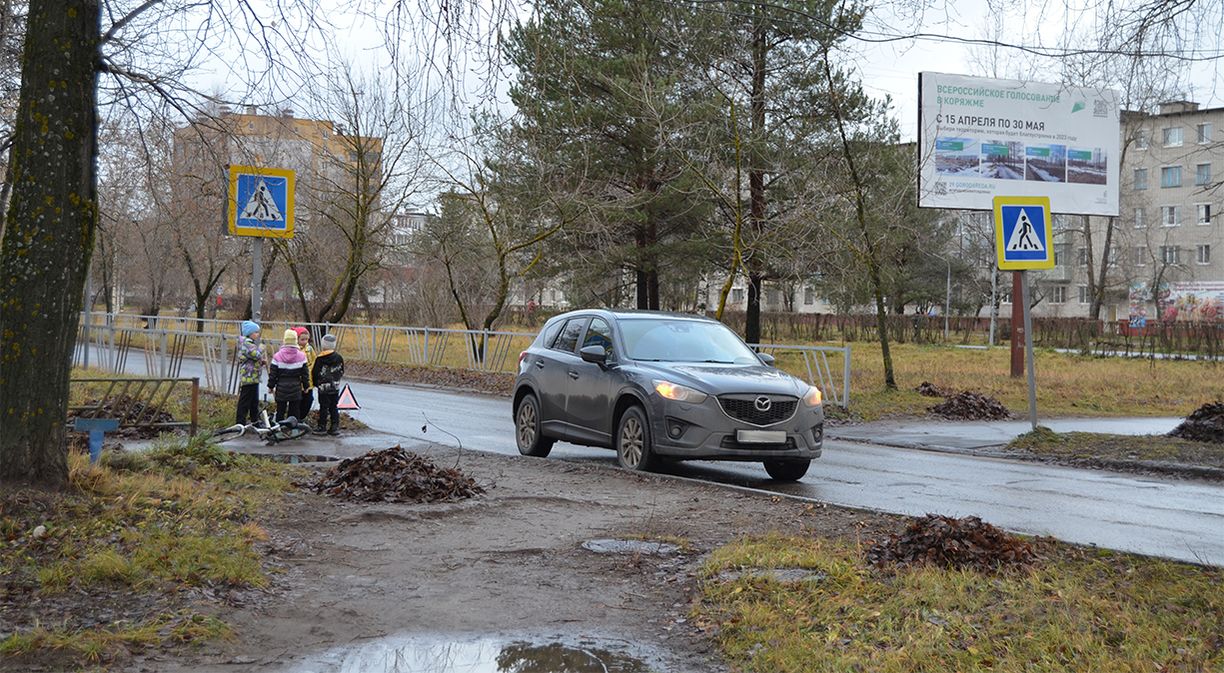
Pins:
x: 662, y: 386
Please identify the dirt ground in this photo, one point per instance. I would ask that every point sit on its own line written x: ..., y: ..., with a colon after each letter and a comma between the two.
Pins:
x: 508, y: 562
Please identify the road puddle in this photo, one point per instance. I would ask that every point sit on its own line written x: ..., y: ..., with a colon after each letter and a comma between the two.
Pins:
x: 416, y: 654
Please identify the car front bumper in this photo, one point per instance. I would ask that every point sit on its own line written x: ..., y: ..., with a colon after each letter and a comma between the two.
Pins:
x: 704, y: 432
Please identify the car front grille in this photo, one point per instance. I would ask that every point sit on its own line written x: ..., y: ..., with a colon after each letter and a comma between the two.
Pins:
x: 728, y: 442
x: 745, y: 408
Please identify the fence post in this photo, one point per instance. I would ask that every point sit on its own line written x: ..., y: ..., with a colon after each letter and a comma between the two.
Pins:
x: 846, y: 379
x: 427, y: 360
x: 195, y: 404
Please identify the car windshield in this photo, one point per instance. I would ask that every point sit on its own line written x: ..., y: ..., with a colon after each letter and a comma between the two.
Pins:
x: 664, y: 340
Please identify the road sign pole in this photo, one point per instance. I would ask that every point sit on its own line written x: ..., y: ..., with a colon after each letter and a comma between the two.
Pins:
x: 1019, y: 326
x: 256, y: 278
x: 1028, y: 349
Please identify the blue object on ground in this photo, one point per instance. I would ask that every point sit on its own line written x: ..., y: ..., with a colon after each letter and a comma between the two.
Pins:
x: 96, y: 427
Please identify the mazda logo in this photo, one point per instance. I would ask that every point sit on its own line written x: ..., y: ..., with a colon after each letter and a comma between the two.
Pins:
x: 762, y: 403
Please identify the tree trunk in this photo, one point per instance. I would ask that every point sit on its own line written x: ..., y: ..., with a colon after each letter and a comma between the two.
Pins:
x: 48, y: 237
x: 756, y: 182
x: 1098, y: 292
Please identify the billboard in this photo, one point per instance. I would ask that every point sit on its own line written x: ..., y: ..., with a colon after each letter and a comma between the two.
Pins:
x: 980, y: 138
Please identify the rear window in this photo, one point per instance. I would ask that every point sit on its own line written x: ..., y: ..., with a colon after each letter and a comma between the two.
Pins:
x: 568, y: 339
x: 549, y: 333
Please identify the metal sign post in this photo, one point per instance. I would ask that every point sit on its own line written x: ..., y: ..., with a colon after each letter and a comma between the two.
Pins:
x: 260, y: 205
x: 1024, y: 239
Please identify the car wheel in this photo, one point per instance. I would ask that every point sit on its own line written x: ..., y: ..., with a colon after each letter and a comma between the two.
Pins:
x: 787, y: 470
x: 634, y: 448
x: 527, y: 433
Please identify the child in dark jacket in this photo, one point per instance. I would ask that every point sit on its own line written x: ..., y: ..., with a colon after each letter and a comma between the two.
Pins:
x: 327, y: 372
x: 288, y: 376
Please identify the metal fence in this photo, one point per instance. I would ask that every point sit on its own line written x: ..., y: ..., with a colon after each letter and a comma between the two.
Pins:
x: 162, y: 343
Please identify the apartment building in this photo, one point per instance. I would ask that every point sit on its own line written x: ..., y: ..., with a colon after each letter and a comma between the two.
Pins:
x: 1166, y: 254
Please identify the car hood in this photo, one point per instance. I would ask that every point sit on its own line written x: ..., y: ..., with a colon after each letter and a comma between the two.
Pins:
x: 718, y: 379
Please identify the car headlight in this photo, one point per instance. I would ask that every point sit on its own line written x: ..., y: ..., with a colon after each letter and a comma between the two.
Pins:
x: 675, y: 391
x: 812, y: 398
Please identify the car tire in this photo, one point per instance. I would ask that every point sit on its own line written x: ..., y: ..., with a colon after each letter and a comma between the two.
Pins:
x: 634, y: 446
x: 787, y: 470
x: 527, y: 431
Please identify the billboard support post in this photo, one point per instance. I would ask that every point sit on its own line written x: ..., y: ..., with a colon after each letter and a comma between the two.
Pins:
x: 1019, y: 326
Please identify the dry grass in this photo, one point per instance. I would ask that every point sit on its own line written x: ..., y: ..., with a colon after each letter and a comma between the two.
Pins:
x: 1067, y: 385
x: 1078, y: 611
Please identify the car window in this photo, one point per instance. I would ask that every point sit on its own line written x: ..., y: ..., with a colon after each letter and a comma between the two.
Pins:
x: 568, y: 339
x: 550, y: 332
x: 599, y: 334
x: 667, y: 340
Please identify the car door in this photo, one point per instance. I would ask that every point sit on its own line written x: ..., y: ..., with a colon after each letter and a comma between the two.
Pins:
x: 552, y: 373
x: 593, y: 389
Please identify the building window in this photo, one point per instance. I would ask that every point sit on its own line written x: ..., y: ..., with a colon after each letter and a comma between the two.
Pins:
x: 773, y: 296
x: 1062, y: 253
x: 1081, y: 256
x: 1202, y: 213
x: 1170, y: 216
x: 1005, y: 297
x: 1082, y: 290
x: 737, y: 295
x: 1112, y: 259
x: 1140, y: 222
x: 1141, y: 139
x: 1170, y: 176
x: 1203, y: 133
x: 1203, y: 254
x: 809, y: 296
x: 1172, y: 136
x: 1140, y: 178
x: 1169, y: 254
x: 1141, y: 255
x: 1058, y: 294
x: 1202, y: 174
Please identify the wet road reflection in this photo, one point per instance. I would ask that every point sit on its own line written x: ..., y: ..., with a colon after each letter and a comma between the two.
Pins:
x: 430, y: 654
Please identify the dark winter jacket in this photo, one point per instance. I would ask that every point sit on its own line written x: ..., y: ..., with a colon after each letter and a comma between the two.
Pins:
x: 288, y: 375
x: 327, y: 372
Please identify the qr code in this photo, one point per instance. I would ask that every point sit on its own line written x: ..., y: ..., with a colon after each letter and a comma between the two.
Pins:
x: 1100, y: 108
x: 940, y: 188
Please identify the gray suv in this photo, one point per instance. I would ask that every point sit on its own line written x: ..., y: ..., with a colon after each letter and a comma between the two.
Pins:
x: 662, y: 386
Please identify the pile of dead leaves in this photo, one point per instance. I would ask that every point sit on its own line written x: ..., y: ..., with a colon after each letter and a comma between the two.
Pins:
x: 1205, y: 424
x: 489, y: 383
x: 395, y: 475
x: 130, y: 411
x: 971, y: 406
x: 952, y: 543
x: 928, y: 389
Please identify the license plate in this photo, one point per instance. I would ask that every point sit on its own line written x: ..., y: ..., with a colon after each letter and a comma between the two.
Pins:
x: 760, y: 436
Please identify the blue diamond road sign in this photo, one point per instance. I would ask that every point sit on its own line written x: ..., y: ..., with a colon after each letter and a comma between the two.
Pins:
x: 1023, y: 233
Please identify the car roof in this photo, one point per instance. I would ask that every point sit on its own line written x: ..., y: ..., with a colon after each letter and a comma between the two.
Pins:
x: 634, y: 314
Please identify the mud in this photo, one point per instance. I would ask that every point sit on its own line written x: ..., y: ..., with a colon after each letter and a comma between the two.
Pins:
x: 508, y: 564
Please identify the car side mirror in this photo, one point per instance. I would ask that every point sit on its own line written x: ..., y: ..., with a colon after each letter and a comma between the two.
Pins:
x: 766, y: 358
x: 595, y: 354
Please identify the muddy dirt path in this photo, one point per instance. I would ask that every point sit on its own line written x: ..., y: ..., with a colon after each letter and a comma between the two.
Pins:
x: 509, y: 563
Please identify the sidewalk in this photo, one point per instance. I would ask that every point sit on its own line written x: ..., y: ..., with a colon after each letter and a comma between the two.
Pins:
x: 975, y: 436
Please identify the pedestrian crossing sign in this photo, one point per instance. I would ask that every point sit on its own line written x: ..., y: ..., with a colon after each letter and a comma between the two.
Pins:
x: 260, y: 202
x: 1024, y: 232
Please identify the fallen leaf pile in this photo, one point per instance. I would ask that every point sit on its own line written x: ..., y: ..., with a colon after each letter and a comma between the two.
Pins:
x: 952, y: 543
x: 1205, y: 424
x: 971, y: 406
x: 492, y: 383
x: 130, y: 411
x: 395, y: 475
x: 928, y: 389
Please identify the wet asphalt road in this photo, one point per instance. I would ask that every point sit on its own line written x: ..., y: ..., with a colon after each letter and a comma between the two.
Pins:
x: 1161, y: 517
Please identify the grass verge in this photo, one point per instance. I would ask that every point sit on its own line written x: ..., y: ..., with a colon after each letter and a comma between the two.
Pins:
x: 1087, y: 447
x: 109, y: 565
x: 1077, y: 610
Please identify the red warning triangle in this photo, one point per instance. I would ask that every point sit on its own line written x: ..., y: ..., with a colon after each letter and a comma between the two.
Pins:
x: 347, y: 401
